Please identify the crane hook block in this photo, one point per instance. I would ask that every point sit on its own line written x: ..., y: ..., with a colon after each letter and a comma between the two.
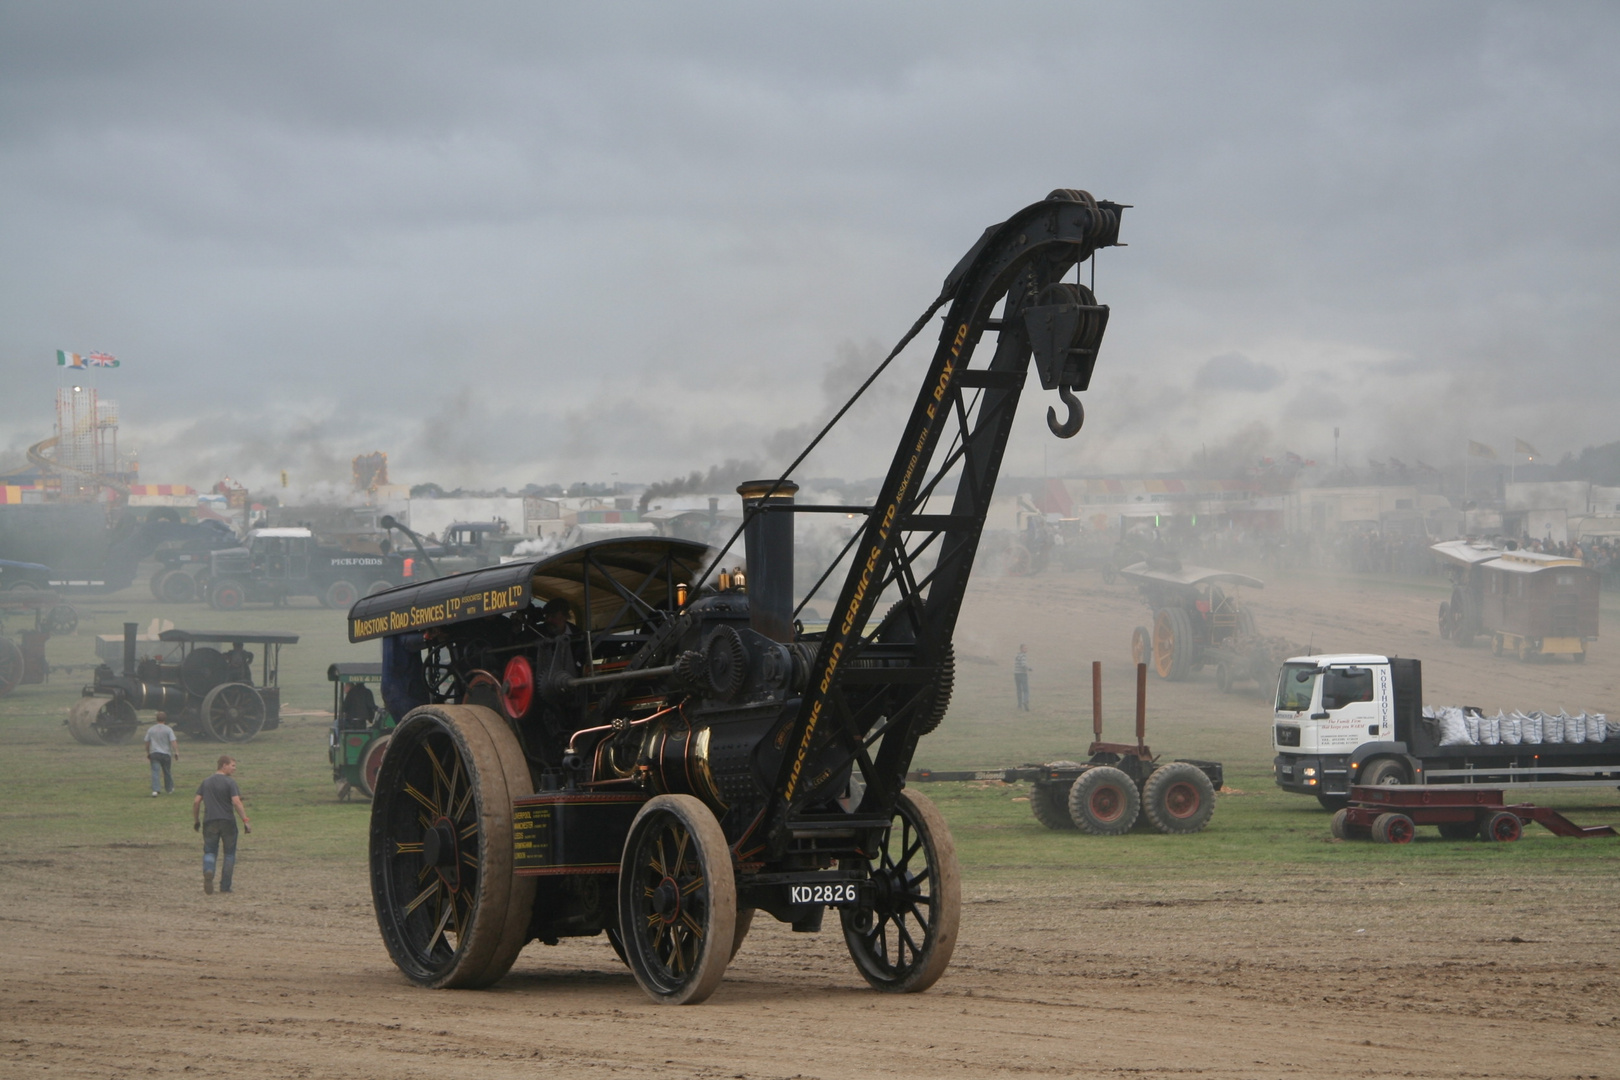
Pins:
x: 1065, y: 327
x: 1077, y: 415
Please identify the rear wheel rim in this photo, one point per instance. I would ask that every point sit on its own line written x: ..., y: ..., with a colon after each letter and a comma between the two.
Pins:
x: 1182, y: 800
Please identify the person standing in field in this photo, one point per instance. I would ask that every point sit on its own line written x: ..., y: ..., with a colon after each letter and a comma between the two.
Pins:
x: 223, y: 800
x: 162, y: 751
x: 1021, y: 670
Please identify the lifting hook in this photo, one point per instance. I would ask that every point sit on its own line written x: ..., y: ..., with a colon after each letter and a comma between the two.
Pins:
x: 1077, y: 415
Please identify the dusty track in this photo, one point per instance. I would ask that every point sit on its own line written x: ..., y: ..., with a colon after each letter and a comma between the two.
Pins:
x: 113, y: 968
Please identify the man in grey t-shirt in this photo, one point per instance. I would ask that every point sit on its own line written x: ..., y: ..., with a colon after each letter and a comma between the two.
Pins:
x: 162, y: 750
x: 223, y: 802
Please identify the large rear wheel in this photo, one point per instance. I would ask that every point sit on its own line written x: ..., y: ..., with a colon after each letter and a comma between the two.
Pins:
x: 232, y: 712
x: 903, y: 944
x: 1173, y: 645
x: 450, y: 910
x: 12, y: 666
x: 677, y: 900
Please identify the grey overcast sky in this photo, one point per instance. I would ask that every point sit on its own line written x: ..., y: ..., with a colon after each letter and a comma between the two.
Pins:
x: 552, y: 242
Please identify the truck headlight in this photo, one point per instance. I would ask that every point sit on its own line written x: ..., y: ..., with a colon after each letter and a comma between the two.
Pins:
x: 1309, y: 771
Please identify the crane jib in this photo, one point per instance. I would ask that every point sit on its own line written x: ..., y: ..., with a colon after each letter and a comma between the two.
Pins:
x: 1019, y: 258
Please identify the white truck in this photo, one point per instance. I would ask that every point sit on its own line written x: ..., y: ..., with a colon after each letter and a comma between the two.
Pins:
x: 1358, y: 718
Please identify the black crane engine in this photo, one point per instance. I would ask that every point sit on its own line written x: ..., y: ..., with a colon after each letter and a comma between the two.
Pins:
x: 629, y: 737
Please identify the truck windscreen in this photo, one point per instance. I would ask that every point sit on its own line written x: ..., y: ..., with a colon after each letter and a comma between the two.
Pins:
x: 1295, y: 688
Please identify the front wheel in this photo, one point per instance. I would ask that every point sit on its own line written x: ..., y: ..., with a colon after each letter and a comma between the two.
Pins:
x: 1384, y: 772
x: 227, y: 595
x: 341, y: 595
x: 1141, y: 646
x: 451, y: 912
x: 12, y: 666
x: 903, y: 943
x: 677, y: 900
x: 371, y: 759
x: 102, y: 721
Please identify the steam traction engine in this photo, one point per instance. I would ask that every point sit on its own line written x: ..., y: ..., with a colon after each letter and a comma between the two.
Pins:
x: 616, y: 739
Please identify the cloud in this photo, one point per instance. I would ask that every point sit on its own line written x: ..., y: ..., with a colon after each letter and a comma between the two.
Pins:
x: 557, y: 243
x: 1234, y: 371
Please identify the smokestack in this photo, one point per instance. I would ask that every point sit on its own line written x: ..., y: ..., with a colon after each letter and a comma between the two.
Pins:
x: 129, y: 647
x: 769, y: 540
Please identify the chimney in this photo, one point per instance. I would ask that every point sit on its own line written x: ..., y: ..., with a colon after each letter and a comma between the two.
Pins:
x: 769, y: 540
x: 129, y: 647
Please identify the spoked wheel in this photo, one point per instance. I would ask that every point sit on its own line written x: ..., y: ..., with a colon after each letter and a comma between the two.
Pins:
x: 904, y: 943
x: 1141, y: 645
x: 12, y: 666
x: 450, y: 911
x: 1502, y: 827
x: 102, y: 721
x: 1393, y: 829
x: 1172, y: 644
x: 371, y: 760
x: 677, y: 900
x: 233, y: 712
x: 62, y: 620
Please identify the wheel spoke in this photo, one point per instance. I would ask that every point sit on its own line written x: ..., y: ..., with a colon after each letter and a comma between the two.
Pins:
x: 439, y: 929
x: 422, y: 897
x: 432, y: 807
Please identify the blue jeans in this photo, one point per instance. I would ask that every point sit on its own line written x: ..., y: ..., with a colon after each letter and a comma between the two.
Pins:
x: 1021, y: 684
x: 214, y: 833
x: 160, y: 771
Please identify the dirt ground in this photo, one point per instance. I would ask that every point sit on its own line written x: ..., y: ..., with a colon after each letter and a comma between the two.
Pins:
x: 115, y: 965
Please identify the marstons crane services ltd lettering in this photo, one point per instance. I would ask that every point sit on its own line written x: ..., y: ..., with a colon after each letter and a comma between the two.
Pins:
x: 417, y: 616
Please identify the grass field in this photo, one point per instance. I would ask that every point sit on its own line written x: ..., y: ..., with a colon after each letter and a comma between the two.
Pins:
x: 60, y: 794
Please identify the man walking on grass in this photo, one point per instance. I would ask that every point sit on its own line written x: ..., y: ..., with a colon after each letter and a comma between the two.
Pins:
x: 223, y: 800
x: 162, y: 751
x: 1021, y: 670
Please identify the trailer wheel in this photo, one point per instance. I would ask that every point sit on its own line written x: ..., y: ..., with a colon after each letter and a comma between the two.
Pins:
x: 102, y: 721
x: 452, y: 913
x: 1459, y: 830
x: 1178, y: 798
x: 12, y: 666
x: 1341, y: 828
x: 1172, y: 644
x: 232, y: 712
x: 227, y: 595
x: 1104, y: 802
x: 903, y: 943
x: 677, y: 900
x: 1393, y: 829
x: 1049, y: 799
x: 1223, y: 678
x: 341, y: 595
x: 178, y: 588
x: 371, y: 759
x: 1141, y: 646
x: 1502, y: 827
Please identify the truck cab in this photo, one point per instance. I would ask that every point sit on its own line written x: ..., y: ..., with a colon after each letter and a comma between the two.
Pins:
x: 1343, y: 719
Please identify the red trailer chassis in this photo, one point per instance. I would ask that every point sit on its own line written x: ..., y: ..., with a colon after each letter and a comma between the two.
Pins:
x: 1391, y: 815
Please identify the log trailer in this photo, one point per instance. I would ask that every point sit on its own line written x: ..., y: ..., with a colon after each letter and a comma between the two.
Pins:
x: 617, y: 738
x: 1349, y: 719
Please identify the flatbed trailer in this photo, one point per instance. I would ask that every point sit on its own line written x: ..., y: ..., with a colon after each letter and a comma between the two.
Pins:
x: 1118, y: 783
x: 1391, y: 815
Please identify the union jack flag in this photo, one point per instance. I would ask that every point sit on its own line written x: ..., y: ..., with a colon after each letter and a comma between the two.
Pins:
x: 101, y: 359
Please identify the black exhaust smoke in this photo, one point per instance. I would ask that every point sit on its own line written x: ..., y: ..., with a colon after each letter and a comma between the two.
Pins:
x: 769, y: 541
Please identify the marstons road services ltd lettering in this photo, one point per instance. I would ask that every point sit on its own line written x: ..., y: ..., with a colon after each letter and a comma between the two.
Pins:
x: 418, y: 616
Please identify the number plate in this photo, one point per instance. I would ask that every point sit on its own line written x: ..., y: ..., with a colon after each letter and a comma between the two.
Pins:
x: 835, y: 894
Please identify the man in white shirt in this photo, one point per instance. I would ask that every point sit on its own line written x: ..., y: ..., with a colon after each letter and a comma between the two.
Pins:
x: 162, y: 751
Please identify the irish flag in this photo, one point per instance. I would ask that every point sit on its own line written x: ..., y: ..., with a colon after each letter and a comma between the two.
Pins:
x: 69, y: 359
